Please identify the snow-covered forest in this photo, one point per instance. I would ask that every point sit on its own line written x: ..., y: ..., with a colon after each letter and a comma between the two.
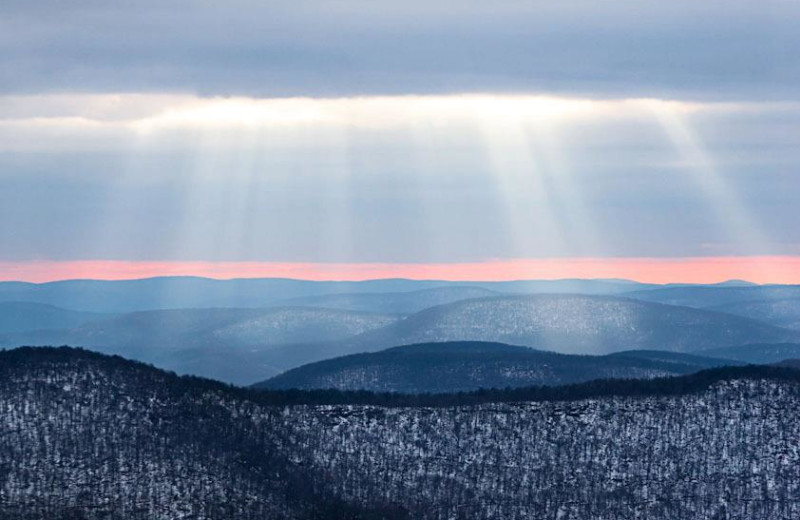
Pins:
x: 89, y: 436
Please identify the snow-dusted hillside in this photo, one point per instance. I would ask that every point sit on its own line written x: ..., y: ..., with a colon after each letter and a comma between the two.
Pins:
x: 88, y: 436
x: 298, y: 325
x: 729, y: 452
x: 576, y: 324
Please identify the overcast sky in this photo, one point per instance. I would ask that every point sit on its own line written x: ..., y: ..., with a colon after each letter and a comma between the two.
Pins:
x: 402, y: 132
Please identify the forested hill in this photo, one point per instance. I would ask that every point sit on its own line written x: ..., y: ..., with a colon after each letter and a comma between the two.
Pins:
x: 90, y: 436
x: 470, y: 365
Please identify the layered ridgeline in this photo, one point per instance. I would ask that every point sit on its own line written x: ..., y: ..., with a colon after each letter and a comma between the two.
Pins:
x: 464, y: 366
x: 396, y: 302
x: 757, y: 354
x: 226, y: 344
x: 189, y: 292
x: 119, y: 296
x: 575, y: 324
x: 243, y: 346
x: 17, y: 317
x: 88, y: 436
x: 774, y: 304
x: 780, y: 312
x: 713, y: 296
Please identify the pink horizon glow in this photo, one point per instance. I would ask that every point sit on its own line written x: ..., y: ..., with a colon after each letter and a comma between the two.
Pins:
x: 759, y: 269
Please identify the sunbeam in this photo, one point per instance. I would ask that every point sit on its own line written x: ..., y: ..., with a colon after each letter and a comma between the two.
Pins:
x: 571, y: 206
x: 433, y: 178
x: 740, y: 225
x: 531, y: 219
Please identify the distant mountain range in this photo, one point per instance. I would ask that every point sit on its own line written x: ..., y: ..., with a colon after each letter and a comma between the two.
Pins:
x: 197, y: 293
x: 188, y: 292
x: 119, y: 296
x: 95, y: 437
x: 464, y: 366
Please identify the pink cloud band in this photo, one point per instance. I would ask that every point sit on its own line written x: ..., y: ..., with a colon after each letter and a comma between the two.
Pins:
x: 759, y: 269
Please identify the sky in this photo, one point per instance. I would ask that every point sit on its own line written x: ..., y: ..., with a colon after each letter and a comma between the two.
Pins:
x: 651, y: 140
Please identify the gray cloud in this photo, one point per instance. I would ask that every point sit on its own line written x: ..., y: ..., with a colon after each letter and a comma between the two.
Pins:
x: 719, y: 49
